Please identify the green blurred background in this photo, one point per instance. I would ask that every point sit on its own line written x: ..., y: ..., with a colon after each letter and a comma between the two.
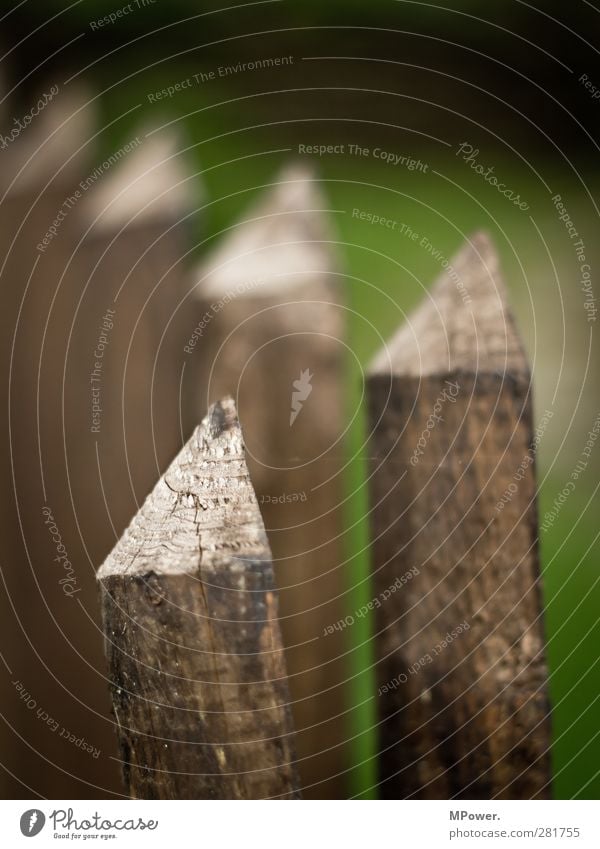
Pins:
x: 416, y: 79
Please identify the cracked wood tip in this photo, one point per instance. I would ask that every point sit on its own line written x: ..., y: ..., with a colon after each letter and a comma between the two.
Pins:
x: 463, y: 324
x: 202, y: 511
x: 189, y: 610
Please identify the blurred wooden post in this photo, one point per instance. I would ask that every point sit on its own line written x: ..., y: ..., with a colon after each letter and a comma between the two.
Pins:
x: 194, y: 648
x: 98, y: 327
x: 269, y: 329
x: 133, y: 282
x: 462, y: 678
x: 40, y: 168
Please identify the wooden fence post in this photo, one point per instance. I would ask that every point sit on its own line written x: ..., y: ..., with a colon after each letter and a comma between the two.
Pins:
x: 190, y: 619
x: 40, y: 168
x: 461, y: 672
x: 95, y: 378
x: 133, y: 265
x: 270, y: 327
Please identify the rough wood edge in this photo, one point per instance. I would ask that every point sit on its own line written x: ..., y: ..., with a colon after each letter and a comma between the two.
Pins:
x: 463, y: 324
x: 202, y: 509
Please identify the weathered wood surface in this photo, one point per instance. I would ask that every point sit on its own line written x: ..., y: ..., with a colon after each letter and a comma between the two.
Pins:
x: 43, y: 630
x: 116, y: 248
x: 190, y: 617
x: 462, y: 691
x: 269, y: 308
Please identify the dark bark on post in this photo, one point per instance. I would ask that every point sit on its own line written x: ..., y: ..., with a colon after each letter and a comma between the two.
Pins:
x: 461, y: 672
x: 269, y: 300
x: 190, y: 618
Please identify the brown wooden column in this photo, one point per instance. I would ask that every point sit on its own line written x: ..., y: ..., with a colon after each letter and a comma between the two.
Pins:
x: 462, y: 690
x: 190, y: 617
x: 269, y: 328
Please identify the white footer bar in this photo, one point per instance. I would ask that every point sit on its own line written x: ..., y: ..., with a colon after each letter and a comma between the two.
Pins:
x: 302, y: 824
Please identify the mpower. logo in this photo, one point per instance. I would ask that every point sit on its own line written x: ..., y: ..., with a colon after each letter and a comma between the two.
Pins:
x: 32, y: 822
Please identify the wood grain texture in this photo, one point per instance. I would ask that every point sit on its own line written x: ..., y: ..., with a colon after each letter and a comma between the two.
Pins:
x: 190, y: 617
x: 462, y: 691
x: 269, y: 307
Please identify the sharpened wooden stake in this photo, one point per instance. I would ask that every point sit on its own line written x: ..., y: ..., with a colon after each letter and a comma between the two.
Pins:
x: 40, y: 169
x: 462, y: 690
x: 270, y: 329
x: 132, y: 264
x: 94, y: 410
x: 190, y: 618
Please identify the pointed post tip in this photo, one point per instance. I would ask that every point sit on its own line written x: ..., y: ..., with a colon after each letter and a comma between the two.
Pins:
x: 222, y: 416
x: 144, y: 181
x: 463, y: 323
x: 282, y: 240
x: 203, y: 507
